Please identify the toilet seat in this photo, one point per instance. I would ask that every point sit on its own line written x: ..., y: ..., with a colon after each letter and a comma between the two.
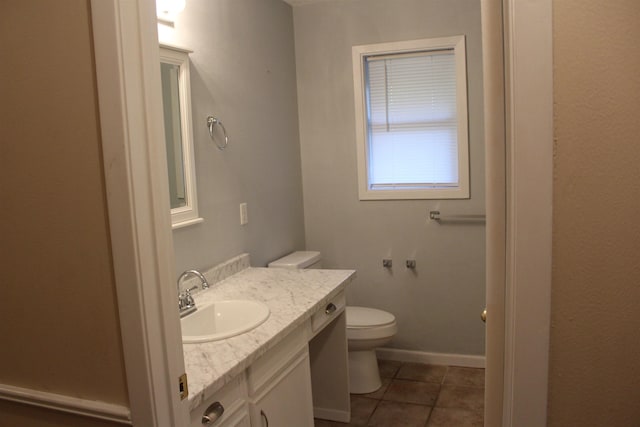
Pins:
x: 366, y: 317
x: 364, y: 323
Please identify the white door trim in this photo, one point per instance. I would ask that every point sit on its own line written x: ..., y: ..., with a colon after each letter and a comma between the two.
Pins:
x: 128, y: 76
x: 529, y: 66
x: 495, y: 205
x: 521, y: 308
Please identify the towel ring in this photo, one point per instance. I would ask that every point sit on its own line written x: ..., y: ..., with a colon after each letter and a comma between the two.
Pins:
x: 211, y: 122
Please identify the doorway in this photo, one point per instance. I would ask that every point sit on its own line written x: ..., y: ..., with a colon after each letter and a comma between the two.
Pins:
x: 519, y: 257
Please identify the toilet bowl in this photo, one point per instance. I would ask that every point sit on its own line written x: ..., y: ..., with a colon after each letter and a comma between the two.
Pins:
x: 367, y: 329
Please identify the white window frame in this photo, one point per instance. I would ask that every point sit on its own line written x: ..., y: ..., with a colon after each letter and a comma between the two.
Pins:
x: 359, y: 55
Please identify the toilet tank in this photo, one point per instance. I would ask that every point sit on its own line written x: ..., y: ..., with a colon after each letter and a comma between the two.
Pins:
x: 298, y: 259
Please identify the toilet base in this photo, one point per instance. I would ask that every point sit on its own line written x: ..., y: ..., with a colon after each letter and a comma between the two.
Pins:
x: 364, y: 375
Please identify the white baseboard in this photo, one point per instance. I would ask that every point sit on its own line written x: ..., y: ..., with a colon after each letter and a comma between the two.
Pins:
x: 331, y: 415
x: 72, y: 405
x: 465, y: 360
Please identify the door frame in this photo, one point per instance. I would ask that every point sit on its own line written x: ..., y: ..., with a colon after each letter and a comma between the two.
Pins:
x: 519, y: 166
x: 518, y: 74
x: 127, y: 60
x: 529, y: 70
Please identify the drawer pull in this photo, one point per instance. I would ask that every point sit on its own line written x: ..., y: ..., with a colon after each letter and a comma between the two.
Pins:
x: 263, y: 415
x: 330, y: 308
x: 212, y: 413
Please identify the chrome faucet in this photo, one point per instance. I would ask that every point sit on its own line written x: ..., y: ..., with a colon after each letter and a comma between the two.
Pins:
x: 186, y: 304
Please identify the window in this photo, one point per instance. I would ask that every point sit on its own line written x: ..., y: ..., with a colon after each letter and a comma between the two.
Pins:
x: 411, y: 119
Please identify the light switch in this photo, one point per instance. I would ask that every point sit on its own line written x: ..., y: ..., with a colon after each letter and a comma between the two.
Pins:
x: 244, y: 218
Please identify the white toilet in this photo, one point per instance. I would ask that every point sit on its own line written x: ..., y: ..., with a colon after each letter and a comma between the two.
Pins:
x: 367, y: 329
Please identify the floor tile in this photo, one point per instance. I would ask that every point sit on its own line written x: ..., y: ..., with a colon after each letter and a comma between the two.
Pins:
x: 396, y: 414
x: 361, y: 410
x: 453, y: 396
x: 469, y: 377
x: 455, y: 417
x: 388, y: 368
x: 412, y: 392
x: 379, y: 392
x: 422, y: 372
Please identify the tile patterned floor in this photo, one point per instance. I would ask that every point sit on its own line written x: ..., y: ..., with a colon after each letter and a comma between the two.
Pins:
x: 415, y: 394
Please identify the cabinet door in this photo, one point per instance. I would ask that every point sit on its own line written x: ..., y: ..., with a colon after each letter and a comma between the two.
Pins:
x: 241, y: 419
x: 287, y: 402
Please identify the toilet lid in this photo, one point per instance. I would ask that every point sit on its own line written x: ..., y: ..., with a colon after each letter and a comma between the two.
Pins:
x: 295, y: 260
x: 361, y: 317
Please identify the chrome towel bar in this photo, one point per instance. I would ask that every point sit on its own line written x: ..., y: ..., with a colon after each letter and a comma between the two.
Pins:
x: 435, y: 216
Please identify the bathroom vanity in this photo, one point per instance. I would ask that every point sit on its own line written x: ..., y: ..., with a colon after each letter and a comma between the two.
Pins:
x: 287, y: 370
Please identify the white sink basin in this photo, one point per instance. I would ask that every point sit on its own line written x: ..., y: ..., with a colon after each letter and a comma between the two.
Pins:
x: 222, y: 319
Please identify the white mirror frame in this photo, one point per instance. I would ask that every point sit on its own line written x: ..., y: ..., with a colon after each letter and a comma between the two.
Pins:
x: 188, y: 214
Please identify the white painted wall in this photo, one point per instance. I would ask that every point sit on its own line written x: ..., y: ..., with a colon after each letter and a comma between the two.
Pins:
x: 438, y: 306
x: 242, y: 71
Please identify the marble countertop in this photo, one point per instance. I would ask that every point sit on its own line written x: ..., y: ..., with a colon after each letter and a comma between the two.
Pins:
x: 291, y: 295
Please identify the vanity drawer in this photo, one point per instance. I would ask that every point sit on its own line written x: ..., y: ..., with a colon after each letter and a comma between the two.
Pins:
x: 329, y: 312
x: 233, y: 398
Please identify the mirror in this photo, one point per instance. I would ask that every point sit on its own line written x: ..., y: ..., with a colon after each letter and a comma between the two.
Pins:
x: 176, y: 97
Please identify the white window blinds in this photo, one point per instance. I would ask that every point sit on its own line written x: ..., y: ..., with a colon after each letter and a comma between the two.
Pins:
x: 412, y: 120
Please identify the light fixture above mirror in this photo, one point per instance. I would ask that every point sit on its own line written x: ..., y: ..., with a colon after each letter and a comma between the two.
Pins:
x: 167, y: 10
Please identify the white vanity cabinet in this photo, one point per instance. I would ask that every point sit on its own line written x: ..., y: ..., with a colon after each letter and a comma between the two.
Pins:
x: 302, y: 376
x: 329, y: 361
x: 280, y: 385
x: 286, y: 401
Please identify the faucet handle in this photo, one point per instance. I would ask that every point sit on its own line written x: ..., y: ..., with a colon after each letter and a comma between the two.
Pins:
x: 182, y: 301
x: 185, y: 299
x: 189, y: 299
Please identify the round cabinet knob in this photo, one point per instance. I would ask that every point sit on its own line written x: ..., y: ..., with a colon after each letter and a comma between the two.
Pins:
x: 212, y: 413
x: 330, y: 308
x: 483, y: 316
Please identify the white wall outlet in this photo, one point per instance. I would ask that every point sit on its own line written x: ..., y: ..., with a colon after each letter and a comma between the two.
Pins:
x: 244, y: 218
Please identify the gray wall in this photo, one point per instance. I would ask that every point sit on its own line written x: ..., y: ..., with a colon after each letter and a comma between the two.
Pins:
x: 243, y: 71
x: 438, y: 306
